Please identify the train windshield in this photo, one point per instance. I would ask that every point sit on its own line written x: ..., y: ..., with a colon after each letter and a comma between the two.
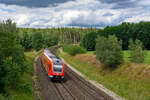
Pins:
x: 58, y: 66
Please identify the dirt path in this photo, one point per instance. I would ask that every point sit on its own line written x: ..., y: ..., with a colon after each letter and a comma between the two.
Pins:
x: 35, y: 80
x: 74, y: 87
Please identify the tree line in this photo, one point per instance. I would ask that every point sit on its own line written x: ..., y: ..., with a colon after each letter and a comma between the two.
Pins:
x: 12, y: 59
x: 124, y: 32
x: 31, y: 38
x: 110, y: 41
x: 138, y: 33
x: 127, y: 31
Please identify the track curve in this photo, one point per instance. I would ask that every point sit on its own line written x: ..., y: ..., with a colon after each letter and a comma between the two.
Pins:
x: 74, y: 87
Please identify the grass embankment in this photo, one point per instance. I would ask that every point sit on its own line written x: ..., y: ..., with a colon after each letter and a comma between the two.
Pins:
x: 27, y: 93
x: 131, y: 81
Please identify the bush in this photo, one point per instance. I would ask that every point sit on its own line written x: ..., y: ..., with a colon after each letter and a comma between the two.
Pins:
x: 89, y: 41
x: 3, y: 97
x: 136, y: 52
x: 26, y: 41
x: 73, y: 49
x: 26, y: 88
x: 109, y: 50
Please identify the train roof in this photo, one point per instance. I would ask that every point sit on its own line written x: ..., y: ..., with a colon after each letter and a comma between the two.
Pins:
x: 57, y: 62
x: 55, y: 59
x: 49, y: 54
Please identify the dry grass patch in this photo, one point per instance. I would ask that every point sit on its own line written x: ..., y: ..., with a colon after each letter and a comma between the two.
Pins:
x: 89, y: 59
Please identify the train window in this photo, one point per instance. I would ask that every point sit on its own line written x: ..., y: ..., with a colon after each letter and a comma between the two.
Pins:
x: 58, y: 65
x: 57, y: 62
x: 47, y: 63
x: 58, y: 68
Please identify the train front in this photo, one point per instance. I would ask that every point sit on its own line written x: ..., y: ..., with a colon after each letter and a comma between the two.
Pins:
x: 58, y: 69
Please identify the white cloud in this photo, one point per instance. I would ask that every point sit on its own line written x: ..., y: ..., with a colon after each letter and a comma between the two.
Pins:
x: 138, y: 18
x: 144, y: 2
x: 79, y: 12
x: 21, y: 19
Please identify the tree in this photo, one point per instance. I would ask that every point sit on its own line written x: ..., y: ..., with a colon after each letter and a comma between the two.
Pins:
x: 26, y: 41
x: 71, y: 35
x: 11, y: 61
x: 109, y: 50
x: 50, y: 39
x: 125, y: 31
x: 137, y: 54
x: 37, y: 41
x: 8, y: 26
x: 89, y: 41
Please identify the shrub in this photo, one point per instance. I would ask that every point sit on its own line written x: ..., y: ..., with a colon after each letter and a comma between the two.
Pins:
x: 65, y: 47
x: 89, y: 41
x: 136, y: 52
x: 26, y: 88
x: 26, y: 41
x: 109, y: 50
x: 73, y: 49
x: 3, y: 97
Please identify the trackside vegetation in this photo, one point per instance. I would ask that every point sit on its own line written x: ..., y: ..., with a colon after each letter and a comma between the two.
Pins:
x: 25, y: 89
x: 129, y: 80
x: 15, y: 70
x: 73, y: 49
x: 109, y: 51
x: 12, y: 66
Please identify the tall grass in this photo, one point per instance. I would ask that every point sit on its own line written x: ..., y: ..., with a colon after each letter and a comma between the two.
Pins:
x: 129, y: 82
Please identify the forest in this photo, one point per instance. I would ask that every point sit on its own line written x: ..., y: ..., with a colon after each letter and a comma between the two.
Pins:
x: 54, y: 36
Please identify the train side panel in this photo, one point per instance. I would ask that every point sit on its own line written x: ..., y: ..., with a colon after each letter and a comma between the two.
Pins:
x: 48, y: 64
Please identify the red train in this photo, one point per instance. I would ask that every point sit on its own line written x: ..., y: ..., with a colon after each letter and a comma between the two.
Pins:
x: 53, y: 65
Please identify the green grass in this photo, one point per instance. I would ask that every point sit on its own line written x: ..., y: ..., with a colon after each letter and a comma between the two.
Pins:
x: 147, y: 57
x: 26, y: 78
x: 91, y: 52
x: 127, y: 82
x: 126, y: 56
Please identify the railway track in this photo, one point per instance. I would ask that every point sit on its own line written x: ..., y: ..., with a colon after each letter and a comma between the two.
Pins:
x: 64, y: 91
x: 90, y: 92
x: 74, y: 87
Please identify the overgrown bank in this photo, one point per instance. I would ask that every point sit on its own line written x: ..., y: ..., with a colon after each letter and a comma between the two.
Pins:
x: 26, y: 86
x: 24, y: 89
x: 16, y: 67
x: 129, y: 80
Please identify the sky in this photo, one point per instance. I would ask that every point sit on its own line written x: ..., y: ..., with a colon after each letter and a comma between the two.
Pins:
x: 74, y: 13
